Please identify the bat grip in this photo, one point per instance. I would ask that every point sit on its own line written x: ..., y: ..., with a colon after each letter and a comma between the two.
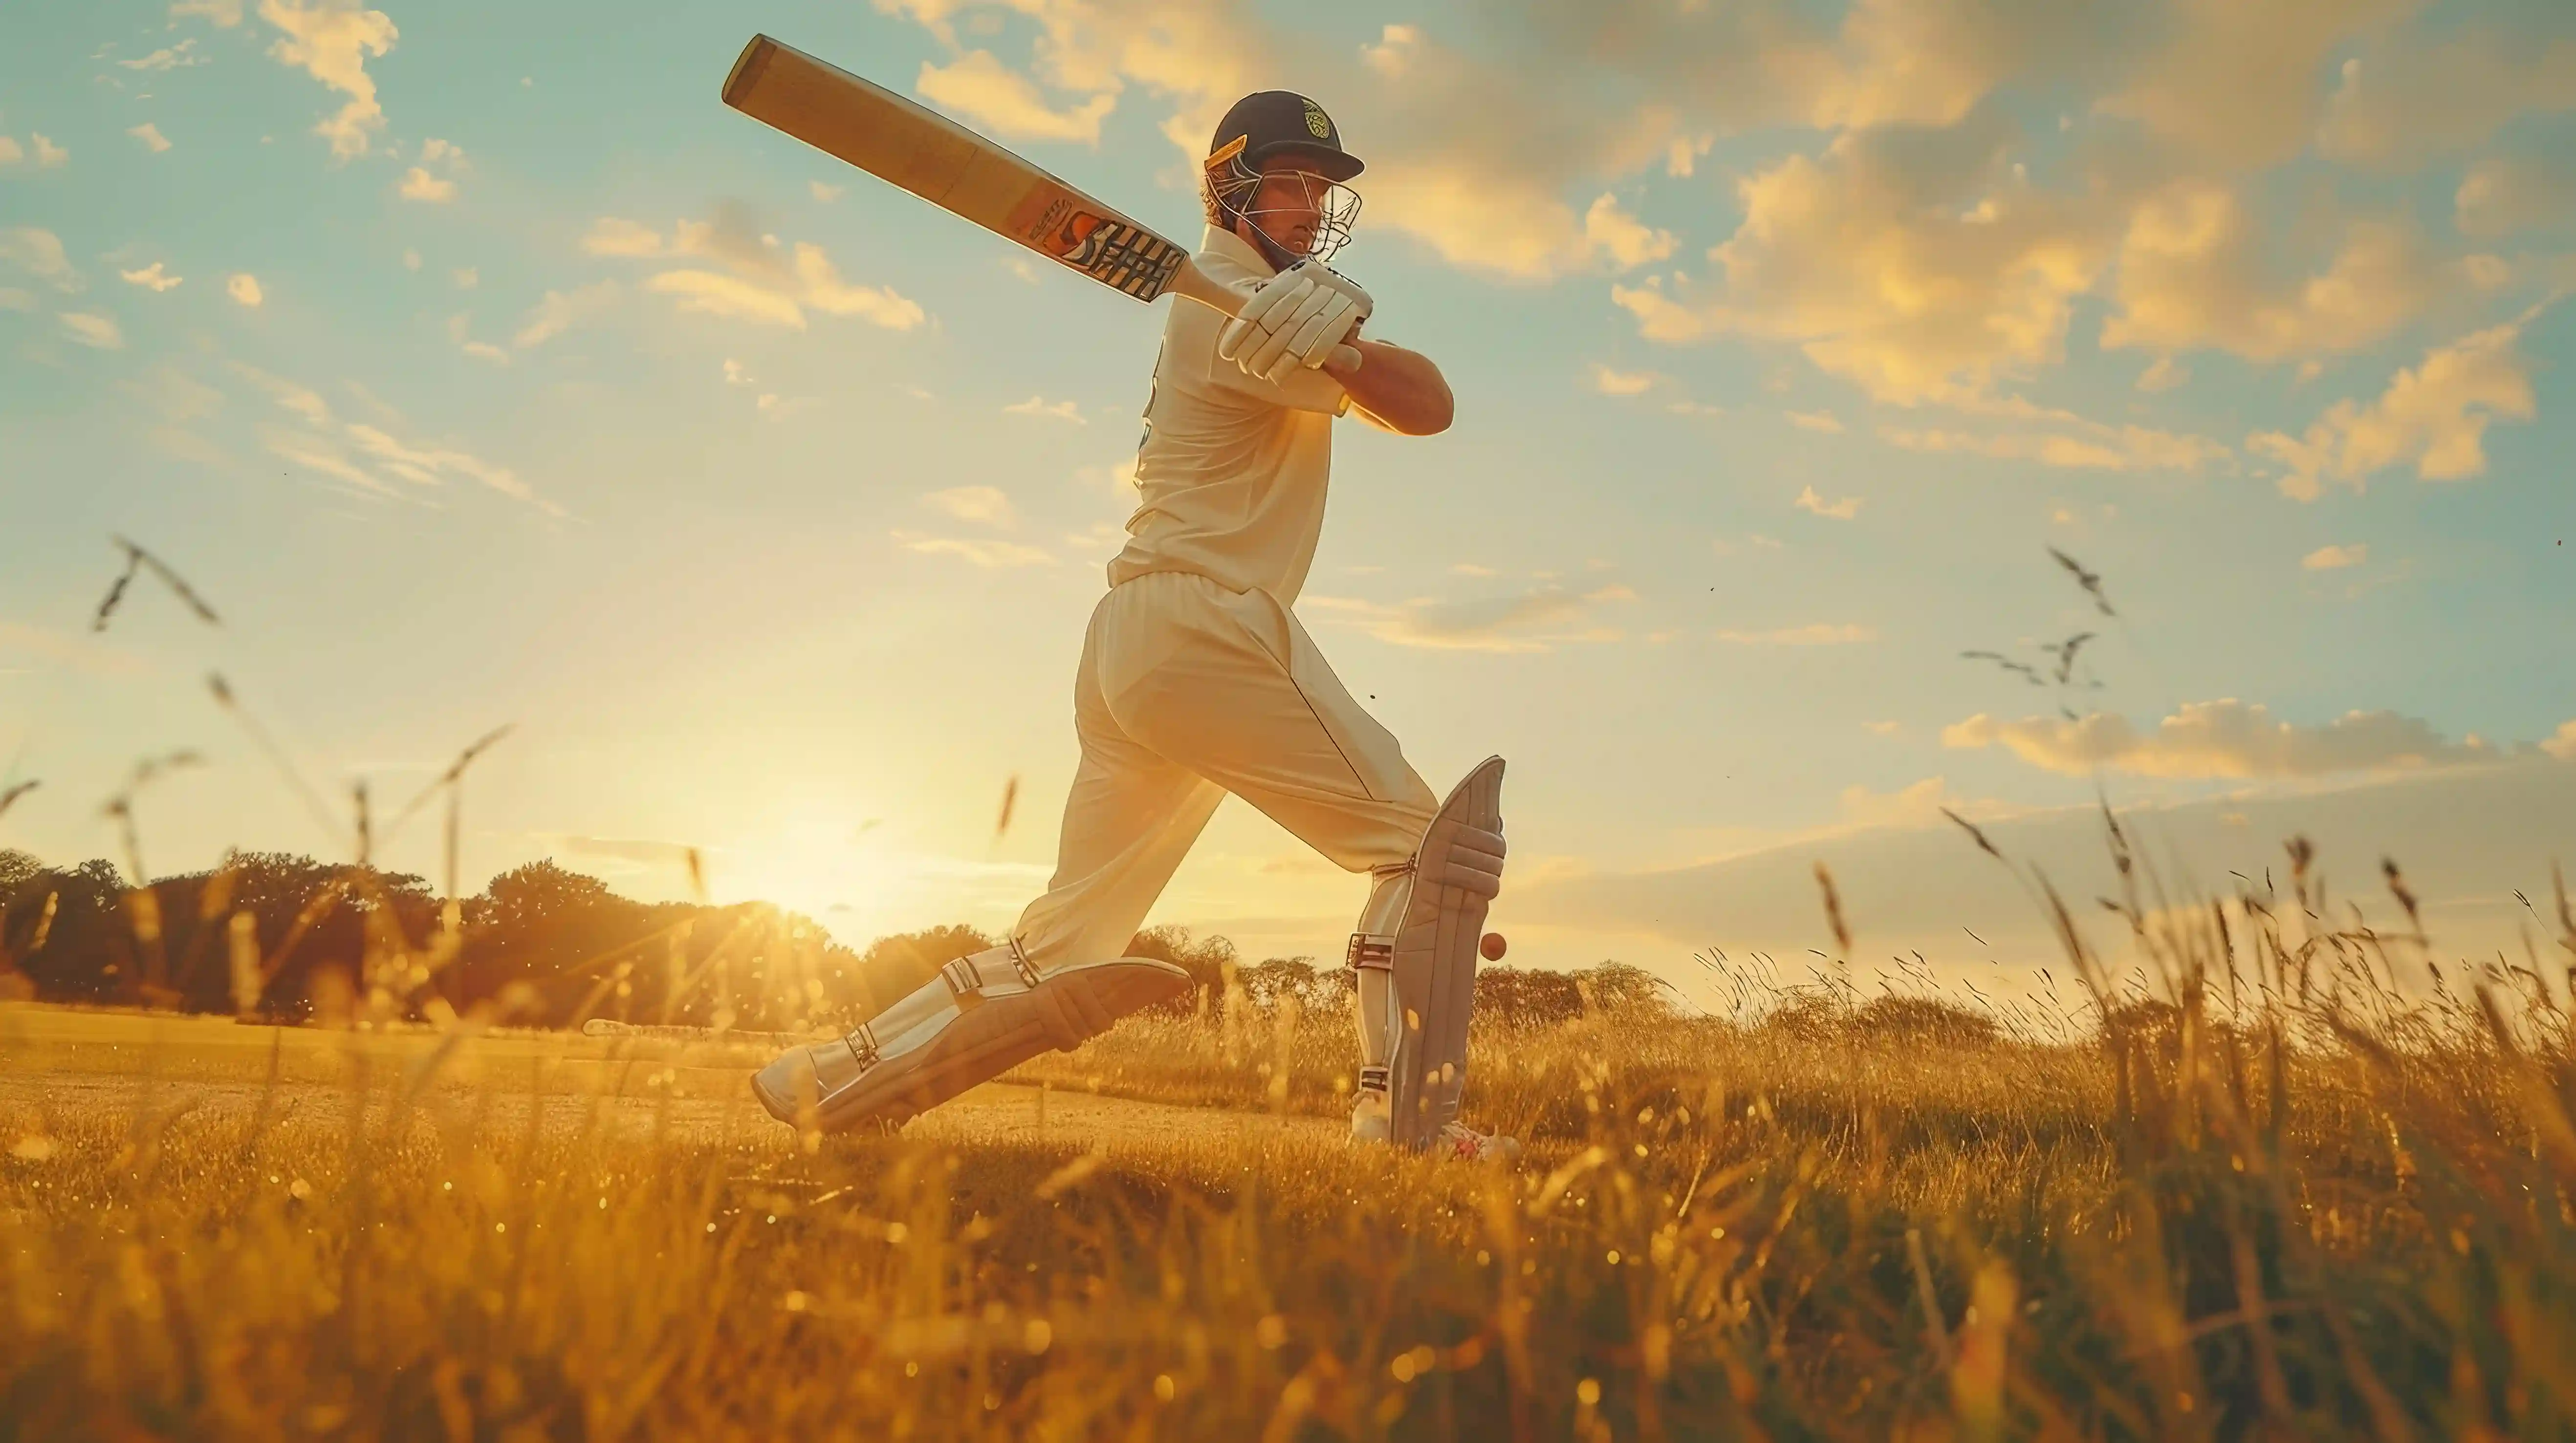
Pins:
x: 1229, y: 302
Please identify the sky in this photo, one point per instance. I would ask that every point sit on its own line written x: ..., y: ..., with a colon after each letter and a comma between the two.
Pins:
x: 480, y: 368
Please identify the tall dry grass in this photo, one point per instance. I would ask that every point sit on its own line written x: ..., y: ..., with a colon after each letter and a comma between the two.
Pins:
x: 2286, y: 1198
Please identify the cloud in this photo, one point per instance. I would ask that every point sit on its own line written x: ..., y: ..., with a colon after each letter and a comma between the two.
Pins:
x: 1535, y: 620
x: 320, y: 447
x: 1626, y: 240
x: 150, y: 135
x: 2162, y: 376
x: 48, y: 154
x: 174, y: 395
x: 2054, y: 436
x: 466, y: 278
x: 980, y: 551
x: 419, y: 184
x: 2411, y: 99
x: 2192, y: 276
x: 1041, y: 406
x: 2239, y: 86
x: 14, y: 299
x: 982, y: 505
x: 2335, y: 558
x: 244, y: 287
x: 1622, y: 383
x: 2148, y: 449
x: 1008, y: 104
x: 2508, y: 194
x: 91, y: 329
x: 1843, y: 510
x: 822, y: 192
x: 304, y: 401
x: 173, y: 57
x: 40, y: 254
x: 1824, y: 421
x: 758, y: 284
x: 2433, y: 415
x: 1813, y: 634
x: 152, y: 278
x: 2221, y: 739
x: 731, y: 297
x: 616, y: 236
x: 827, y: 292
x: 2465, y: 835
x: 331, y: 41
x: 2562, y: 743
x: 561, y: 310
x: 485, y: 351
x: 1919, y: 805
x: 224, y: 13
x: 320, y: 455
x: 1914, y: 264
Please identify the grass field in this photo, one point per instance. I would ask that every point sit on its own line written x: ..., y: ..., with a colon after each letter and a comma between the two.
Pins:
x: 2326, y: 1213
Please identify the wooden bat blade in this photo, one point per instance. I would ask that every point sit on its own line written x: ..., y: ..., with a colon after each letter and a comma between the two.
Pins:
x: 948, y: 165
x: 952, y: 167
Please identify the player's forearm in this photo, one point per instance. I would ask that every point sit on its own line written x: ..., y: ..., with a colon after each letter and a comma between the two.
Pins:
x: 1399, y: 387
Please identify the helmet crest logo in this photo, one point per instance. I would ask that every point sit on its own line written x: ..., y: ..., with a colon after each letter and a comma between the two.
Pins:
x: 1318, y: 122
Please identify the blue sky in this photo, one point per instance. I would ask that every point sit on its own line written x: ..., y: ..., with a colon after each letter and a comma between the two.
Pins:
x: 482, y: 368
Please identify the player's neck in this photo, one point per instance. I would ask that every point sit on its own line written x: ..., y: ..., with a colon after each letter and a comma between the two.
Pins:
x: 1279, y: 256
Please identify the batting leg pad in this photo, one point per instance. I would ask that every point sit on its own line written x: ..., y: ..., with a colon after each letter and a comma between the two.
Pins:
x: 1456, y: 873
x: 982, y: 1016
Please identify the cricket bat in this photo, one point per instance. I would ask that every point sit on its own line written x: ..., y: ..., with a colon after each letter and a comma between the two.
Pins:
x: 966, y: 175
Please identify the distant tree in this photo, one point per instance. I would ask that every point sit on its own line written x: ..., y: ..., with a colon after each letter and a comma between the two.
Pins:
x: 893, y: 967
x: 1273, y: 981
x: 1925, y: 1020
x: 69, y: 930
x: 16, y: 868
x: 1207, y: 960
x: 1520, y: 996
x: 1619, y: 987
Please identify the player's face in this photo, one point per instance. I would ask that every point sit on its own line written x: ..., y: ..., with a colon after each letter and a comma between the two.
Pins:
x: 1289, y: 204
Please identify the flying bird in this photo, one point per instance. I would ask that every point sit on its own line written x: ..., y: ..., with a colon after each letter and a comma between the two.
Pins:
x: 2028, y: 672
x: 2091, y: 581
x: 2065, y: 654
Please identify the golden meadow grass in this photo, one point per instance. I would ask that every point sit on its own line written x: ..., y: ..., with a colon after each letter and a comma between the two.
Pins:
x: 2289, y: 1202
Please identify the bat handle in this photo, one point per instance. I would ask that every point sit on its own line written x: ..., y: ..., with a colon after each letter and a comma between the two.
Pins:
x: 1194, y: 283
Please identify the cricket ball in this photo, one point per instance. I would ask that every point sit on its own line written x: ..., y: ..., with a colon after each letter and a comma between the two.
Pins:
x: 1493, y: 946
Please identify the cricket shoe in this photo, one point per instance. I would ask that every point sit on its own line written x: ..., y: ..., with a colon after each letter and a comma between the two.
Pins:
x: 1368, y: 1117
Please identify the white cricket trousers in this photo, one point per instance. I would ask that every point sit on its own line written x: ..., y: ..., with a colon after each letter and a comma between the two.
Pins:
x: 1189, y: 691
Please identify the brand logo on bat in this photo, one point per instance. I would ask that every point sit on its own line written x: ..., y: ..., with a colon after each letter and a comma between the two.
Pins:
x: 1112, y: 252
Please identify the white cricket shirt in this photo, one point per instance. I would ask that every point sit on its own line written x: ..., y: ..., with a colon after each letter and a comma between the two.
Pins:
x: 1233, y: 469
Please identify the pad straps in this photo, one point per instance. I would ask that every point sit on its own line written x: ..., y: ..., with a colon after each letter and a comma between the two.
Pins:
x: 967, y: 979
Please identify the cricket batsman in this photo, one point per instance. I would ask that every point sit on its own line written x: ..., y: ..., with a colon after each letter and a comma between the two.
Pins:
x: 1197, y: 680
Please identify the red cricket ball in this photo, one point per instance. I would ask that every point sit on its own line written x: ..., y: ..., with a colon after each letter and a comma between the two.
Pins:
x: 1493, y: 946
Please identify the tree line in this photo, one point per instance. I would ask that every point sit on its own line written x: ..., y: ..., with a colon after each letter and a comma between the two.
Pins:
x: 276, y: 937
